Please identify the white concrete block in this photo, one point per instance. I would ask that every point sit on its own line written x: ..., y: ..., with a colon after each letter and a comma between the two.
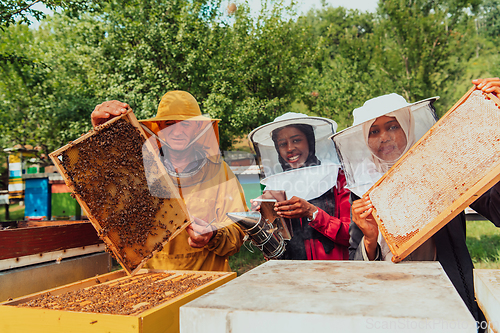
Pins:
x: 332, y: 296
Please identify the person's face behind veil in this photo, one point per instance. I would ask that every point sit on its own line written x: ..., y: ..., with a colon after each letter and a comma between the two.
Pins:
x: 178, y: 134
x: 293, y: 146
x: 386, y: 139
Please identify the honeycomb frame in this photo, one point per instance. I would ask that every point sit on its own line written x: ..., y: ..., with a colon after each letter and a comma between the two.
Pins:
x: 105, y: 171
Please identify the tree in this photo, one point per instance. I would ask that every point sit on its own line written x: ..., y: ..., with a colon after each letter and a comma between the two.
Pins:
x: 480, y: 57
x: 346, y: 76
x: 19, y: 11
x: 244, y: 73
x: 146, y: 48
x: 489, y: 18
x: 419, y: 44
x: 256, y: 73
x: 46, y: 105
x: 244, y: 70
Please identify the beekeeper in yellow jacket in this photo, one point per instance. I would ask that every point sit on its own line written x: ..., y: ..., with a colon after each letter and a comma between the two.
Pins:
x: 188, y: 146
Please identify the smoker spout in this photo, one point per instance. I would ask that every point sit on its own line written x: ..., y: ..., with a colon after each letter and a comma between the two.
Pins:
x: 262, y: 234
x: 246, y: 220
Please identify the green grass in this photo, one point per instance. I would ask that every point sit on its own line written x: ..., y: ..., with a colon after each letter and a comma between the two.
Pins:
x: 16, y: 213
x: 245, y: 260
x: 483, y: 242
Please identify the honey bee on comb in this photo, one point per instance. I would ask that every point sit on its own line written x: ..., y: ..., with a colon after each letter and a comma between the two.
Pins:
x: 128, y: 296
x: 105, y: 170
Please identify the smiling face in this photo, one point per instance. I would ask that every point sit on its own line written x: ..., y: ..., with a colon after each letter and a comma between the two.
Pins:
x: 178, y: 134
x: 386, y: 138
x: 293, y: 146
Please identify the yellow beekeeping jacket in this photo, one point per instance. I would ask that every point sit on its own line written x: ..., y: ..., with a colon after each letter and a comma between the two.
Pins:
x: 214, y: 191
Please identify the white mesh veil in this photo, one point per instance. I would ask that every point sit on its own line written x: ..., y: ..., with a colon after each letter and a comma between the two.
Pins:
x: 361, y: 166
x: 306, y: 182
x: 197, y: 171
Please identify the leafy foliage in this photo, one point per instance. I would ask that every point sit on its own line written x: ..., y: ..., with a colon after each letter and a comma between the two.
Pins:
x: 257, y: 71
x: 244, y: 69
x: 345, y: 76
x: 418, y: 42
x: 489, y: 18
x: 42, y: 105
x: 20, y: 10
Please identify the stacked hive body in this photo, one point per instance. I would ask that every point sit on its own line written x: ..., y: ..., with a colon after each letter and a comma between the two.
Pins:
x: 146, y: 302
x: 105, y: 169
x: 448, y: 168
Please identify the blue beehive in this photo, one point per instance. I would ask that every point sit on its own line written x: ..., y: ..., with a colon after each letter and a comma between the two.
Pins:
x: 37, y: 199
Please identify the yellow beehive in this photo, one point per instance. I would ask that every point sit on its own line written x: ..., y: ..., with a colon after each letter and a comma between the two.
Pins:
x: 455, y: 162
x: 115, y: 174
x: 65, y: 315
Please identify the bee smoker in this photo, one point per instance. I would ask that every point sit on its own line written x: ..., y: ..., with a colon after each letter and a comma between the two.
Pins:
x: 262, y: 234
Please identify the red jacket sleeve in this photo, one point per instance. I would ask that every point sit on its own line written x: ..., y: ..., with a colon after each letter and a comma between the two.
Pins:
x: 336, y: 228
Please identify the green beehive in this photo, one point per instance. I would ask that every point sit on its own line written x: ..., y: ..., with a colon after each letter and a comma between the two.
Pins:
x: 64, y: 207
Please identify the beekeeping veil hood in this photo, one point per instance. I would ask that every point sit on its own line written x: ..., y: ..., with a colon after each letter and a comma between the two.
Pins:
x: 319, y: 172
x: 186, y: 141
x: 361, y: 165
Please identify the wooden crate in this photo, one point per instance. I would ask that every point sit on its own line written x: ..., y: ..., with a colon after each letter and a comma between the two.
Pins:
x: 455, y: 162
x: 105, y: 171
x: 16, y: 317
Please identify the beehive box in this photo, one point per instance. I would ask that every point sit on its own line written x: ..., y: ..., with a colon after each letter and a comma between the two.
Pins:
x: 62, y: 205
x: 487, y: 290
x: 147, y: 302
x: 29, y: 245
x: 105, y: 170
x: 455, y: 162
x: 295, y: 296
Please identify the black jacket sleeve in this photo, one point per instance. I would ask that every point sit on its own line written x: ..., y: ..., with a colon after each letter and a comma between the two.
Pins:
x: 488, y: 205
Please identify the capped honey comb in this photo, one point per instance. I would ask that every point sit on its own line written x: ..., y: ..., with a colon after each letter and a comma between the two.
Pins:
x: 105, y: 169
x: 455, y: 162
